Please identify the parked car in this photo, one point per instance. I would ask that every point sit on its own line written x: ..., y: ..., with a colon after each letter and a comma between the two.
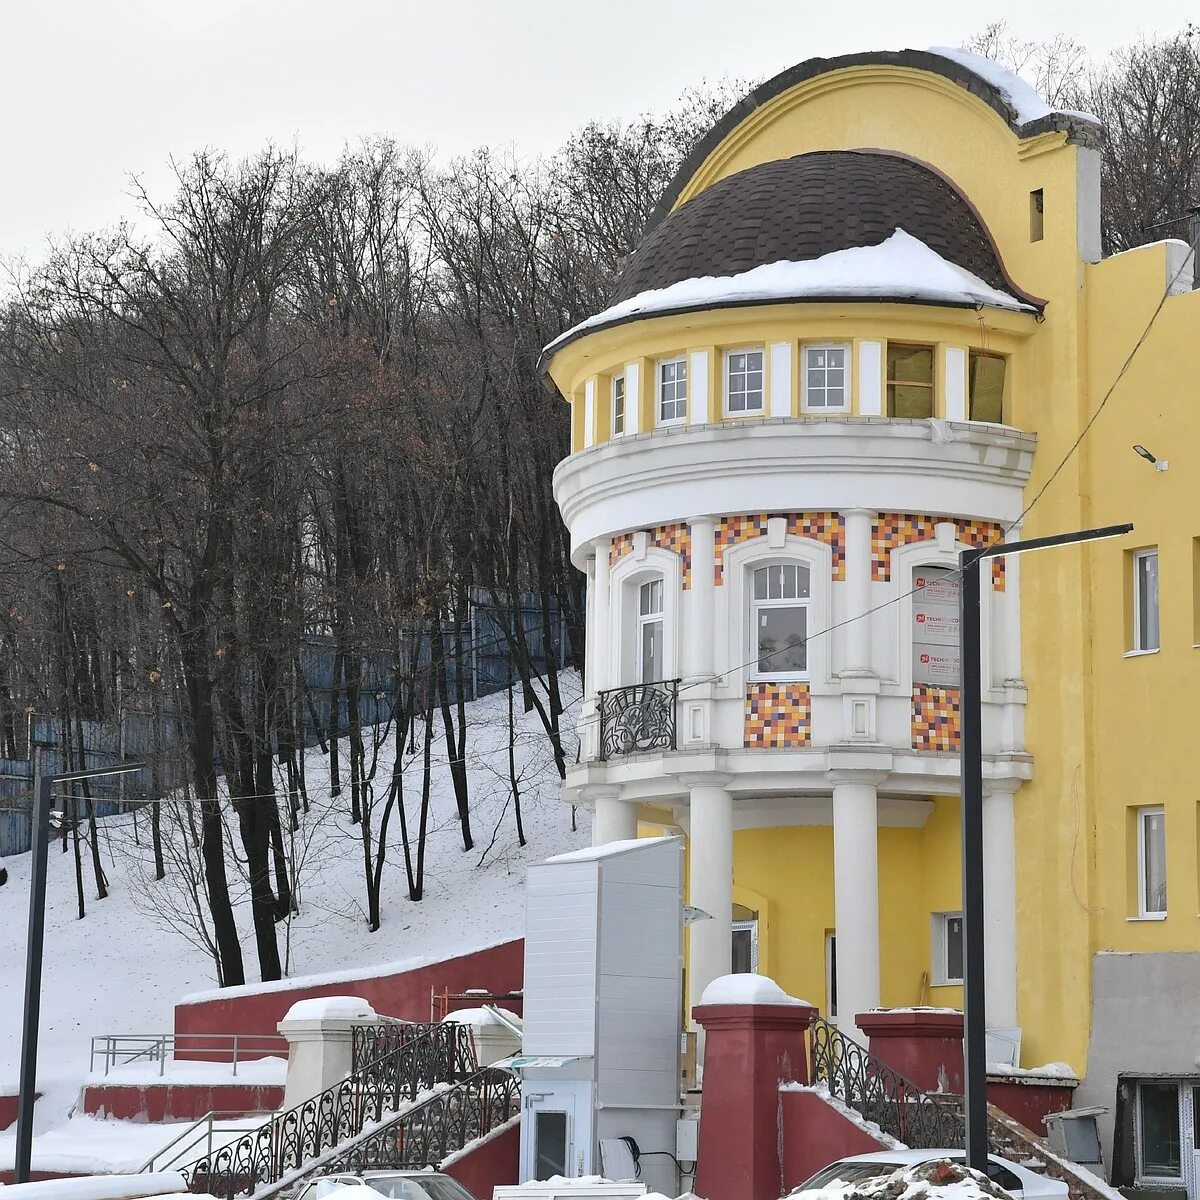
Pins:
x: 395, y: 1185
x: 1015, y: 1179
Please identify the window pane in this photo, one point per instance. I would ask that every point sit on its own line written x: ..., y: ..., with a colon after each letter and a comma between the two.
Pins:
x: 652, y: 637
x: 816, y: 358
x: 954, y: 947
x: 1160, y: 1129
x: 837, y: 358
x: 816, y: 379
x: 760, y: 583
x: 1147, y: 601
x: 986, y: 388
x: 550, y: 1144
x: 781, y: 639
x: 910, y: 364
x: 1154, y: 862
x: 651, y: 597
x: 835, y: 397
x: 737, y: 362
x: 908, y: 401
x: 743, y: 952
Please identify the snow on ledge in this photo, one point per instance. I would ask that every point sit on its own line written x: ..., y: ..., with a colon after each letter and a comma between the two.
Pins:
x: 855, y: 1118
x: 747, y: 989
x: 592, y: 853
x: 899, y: 268
x: 1054, y: 1070
x: 99, y: 1187
x: 480, y: 1016
x: 331, y: 1008
x: 1025, y: 101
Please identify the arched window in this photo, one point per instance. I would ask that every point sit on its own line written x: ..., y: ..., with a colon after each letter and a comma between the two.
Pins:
x: 650, y: 631
x: 779, y: 620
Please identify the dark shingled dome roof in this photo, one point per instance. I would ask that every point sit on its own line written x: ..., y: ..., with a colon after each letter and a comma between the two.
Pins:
x: 801, y: 208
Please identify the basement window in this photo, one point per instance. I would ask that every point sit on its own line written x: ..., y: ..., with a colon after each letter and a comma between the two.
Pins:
x: 985, y: 387
x: 909, y: 381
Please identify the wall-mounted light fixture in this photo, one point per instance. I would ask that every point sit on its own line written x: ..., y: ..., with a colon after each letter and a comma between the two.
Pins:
x: 1142, y: 452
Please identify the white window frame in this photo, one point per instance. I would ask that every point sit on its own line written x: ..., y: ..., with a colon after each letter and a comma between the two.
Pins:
x: 750, y: 927
x: 752, y: 606
x: 642, y: 619
x: 660, y: 383
x: 939, y: 953
x: 830, y: 973
x: 762, y: 391
x: 1145, y: 912
x: 1139, y: 558
x: 805, y: 347
x: 618, y: 381
x: 1186, y: 1128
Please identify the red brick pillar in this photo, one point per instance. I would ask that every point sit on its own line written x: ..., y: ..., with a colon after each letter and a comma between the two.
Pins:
x: 749, y: 1049
x: 926, y: 1045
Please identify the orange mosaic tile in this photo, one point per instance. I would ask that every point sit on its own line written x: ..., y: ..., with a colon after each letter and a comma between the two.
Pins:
x: 778, y: 716
x: 936, y: 718
x: 889, y: 531
x: 826, y: 527
x: 676, y: 537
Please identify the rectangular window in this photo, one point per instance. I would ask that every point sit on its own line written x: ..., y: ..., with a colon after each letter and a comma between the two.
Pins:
x: 826, y: 379
x: 1158, y: 1131
x: 650, y: 631
x: 1036, y: 215
x: 743, y: 382
x: 618, y: 405
x: 1152, y: 862
x: 550, y: 1145
x: 779, y: 616
x: 909, y: 381
x: 1145, y: 600
x: 672, y: 391
x: 985, y: 387
x: 831, y: 973
x: 947, y: 957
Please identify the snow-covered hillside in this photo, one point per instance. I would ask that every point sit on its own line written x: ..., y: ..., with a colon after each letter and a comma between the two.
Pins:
x: 121, y: 968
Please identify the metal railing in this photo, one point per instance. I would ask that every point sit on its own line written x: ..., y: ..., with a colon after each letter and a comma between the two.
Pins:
x: 865, y: 1083
x: 114, y: 1050
x: 202, y: 1137
x: 639, y: 717
x: 411, y: 1066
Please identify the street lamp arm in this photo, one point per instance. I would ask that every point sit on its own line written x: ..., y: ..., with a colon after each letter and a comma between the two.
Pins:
x: 1003, y: 549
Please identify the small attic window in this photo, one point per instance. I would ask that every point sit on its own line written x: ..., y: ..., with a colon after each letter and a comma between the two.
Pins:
x: 1036, y: 209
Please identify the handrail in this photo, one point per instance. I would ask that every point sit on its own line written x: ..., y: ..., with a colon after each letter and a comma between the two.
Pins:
x: 439, y: 1054
x: 207, y: 1121
x: 879, y: 1093
x: 123, y: 1049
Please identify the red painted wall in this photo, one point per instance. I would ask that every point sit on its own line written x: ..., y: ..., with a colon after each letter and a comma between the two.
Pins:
x: 39, y: 1176
x: 8, y: 1110
x: 496, y: 1162
x: 179, y: 1102
x: 404, y: 994
x: 813, y: 1134
x: 1029, y: 1102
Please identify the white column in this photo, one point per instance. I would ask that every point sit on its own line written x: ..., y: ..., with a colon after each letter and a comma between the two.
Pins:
x: 614, y: 820
x: 858, y: 591
x: 711, y: 882
x: 1000, y: 903
x: 602, y: 636
x: 856, y: 896
x: 589, y: 623
x: 320, y: 1037
x: 701, y: 635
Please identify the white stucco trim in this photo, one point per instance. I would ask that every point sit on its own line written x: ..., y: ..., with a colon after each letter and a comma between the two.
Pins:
x: 781, y: 379
x: 633, y: 398
x: 870, y: 379
x: 698, y: 389
x: 955, y: 388
x: 621, y: 634
x: 589, y: 413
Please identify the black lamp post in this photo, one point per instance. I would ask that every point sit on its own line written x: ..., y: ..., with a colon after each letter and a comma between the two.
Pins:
x: 43, y: 789
x: 974, y: 1016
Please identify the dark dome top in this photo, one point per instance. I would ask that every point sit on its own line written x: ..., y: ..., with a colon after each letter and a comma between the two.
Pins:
x: 801, y: 208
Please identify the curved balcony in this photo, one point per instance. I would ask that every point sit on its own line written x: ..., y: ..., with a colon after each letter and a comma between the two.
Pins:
x: 792, y: 464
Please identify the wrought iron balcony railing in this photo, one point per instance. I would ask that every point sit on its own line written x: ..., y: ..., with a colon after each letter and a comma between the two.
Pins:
x: 639, y: 717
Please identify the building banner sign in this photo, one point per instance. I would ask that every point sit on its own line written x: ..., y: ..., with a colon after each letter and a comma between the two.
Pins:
x: 935, y: 637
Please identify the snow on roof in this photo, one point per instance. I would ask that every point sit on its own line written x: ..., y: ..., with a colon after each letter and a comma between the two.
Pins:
x: 899, y: 268
x: 331, y: 1008
x: 591, y: 853
x: 480, y: 1016
x: 747, y: 989
x: 1025, y: 101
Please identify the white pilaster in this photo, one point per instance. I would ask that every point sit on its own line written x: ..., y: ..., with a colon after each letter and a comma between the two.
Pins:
x: 781, y: 379
x: 589, y: 622
x: 633, y: 397
x: 856, y: 896
x: 711, y: 882
x: 589, y: 413
x: 601, y: 633
x: 614, y: 820
x: 870, y: 379
x: 858, y: 591
x: 956, y: 384
x: 698, y: 387
x: 1000, y: 903
x: 702, y: 597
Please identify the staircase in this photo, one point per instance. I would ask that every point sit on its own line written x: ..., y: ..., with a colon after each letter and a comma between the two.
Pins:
x: 414, y: 1096
x: 930, y: 1120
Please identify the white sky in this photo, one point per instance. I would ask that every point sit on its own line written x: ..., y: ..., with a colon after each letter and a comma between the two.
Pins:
x: 94, y: 90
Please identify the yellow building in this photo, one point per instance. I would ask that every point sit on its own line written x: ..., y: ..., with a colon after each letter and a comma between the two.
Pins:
x: 869, y: 327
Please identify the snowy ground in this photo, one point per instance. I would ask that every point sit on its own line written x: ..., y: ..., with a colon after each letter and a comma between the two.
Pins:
x: 121, y: 968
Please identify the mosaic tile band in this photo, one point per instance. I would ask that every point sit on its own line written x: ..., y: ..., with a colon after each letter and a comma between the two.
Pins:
x: 936, y: 718
x: 826, y: 527
x: 676, y: 537
x: 889, y: 531
x: 778, y: 716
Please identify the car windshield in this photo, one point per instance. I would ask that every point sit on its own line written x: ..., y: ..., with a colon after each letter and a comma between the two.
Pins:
x: 423, y: 1187
x: 846, y: 1172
